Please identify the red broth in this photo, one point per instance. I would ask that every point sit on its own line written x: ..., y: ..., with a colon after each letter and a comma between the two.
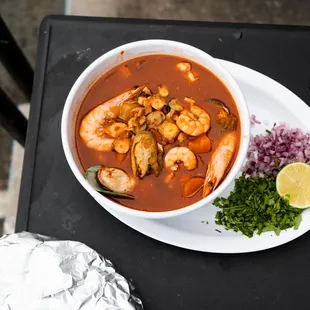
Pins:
x: 152, y: 193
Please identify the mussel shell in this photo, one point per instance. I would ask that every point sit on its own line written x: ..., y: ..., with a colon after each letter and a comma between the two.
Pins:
x: 114, y: 179
x: 144, y: 155
x: 91, y: 176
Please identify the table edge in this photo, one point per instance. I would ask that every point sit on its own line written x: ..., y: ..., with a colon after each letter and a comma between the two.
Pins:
x: 36, y: 99
x: 32, y: 130
x: 54, y: 18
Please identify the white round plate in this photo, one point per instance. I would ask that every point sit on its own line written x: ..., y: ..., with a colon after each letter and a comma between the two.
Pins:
x: 270, y: 102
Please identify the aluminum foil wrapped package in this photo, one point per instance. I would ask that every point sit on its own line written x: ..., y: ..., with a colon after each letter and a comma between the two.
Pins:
x: 41, y: 273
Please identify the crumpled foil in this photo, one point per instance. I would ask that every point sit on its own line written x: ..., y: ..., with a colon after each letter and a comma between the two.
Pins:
x: 42, y: 273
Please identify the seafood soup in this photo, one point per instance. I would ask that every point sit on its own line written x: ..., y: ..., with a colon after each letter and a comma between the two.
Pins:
x: 157, y: 133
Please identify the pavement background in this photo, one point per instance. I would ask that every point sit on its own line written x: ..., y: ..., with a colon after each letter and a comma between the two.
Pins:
x: 253, y: 11
x: 23, y: 17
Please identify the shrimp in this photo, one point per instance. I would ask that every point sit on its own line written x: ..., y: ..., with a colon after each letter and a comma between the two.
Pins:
x: 180, y: 154
x: 92, y: 126
x: 168, y: 130
x: 194, y: 122
x: 184, y: 66
x: 219, y: 162
x: 163, y: 91
x: 192, y: 77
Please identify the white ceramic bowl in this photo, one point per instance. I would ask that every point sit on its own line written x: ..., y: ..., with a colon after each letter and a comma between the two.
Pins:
x: 124, y: 53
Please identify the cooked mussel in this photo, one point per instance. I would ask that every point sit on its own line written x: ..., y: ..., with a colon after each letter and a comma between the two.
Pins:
x: 110, y: 181
x: 144, y: 155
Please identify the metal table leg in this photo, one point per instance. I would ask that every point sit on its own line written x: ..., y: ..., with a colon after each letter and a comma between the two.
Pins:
x: 15, y: 61
x: 12, y: 120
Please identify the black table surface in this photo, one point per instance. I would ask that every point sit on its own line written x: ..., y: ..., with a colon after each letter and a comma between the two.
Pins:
x: 52, y: 202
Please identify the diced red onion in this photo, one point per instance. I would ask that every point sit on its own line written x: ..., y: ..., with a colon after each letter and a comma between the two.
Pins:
x: 253, y: 120
x: 284, y: 143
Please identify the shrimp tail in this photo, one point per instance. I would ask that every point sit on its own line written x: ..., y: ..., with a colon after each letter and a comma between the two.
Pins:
x: 118, y: 100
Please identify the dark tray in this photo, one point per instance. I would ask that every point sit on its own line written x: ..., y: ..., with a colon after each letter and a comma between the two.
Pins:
x: 52, y: 202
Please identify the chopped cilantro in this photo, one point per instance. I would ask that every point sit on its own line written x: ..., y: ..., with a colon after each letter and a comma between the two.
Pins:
x: 255, y: 207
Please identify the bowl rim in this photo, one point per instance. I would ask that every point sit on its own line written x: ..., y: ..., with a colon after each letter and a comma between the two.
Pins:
x: 241, y: 106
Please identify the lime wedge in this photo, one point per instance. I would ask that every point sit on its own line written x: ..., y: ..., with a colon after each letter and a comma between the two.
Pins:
x: 293, y: 181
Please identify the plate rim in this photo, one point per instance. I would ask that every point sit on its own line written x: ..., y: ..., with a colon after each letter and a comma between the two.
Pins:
x: 236, y: 71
